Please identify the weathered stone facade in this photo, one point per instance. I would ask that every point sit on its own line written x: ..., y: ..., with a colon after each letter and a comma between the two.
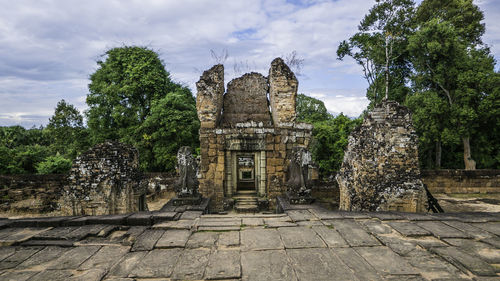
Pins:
x: 380, y: 170
x: 243, y: 149
x: 105, y: 180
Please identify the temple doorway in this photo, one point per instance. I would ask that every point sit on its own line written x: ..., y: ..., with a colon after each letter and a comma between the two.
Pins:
x: 246, y: 173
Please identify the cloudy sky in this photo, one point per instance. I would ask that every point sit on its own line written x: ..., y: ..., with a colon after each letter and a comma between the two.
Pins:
x: 48, y: 49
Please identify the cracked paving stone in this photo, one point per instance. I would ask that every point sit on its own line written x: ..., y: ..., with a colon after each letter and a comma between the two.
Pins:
x: 7, y: 251
x: 362, y: 270
x: 191, y: 215
x: 272, y: 265
x: 126, y: 264
x: 300, y: 237
x: 479, y: 249
x: 219, y: 223
x: 84, y: 231
x: 318, y: 264
x: 309, y: 223
x: 431, y: 267
x: 191, y: 265
x: 326, y: 215
x: 105, y: 258
x: 252, y: 221
x: 441, y: 230
x: 158, y: 263
x: 223, y: 264
x: 55, y: 233
x: 470, y: 229
x: 353, y: 233
x: 21, y: 254
x: 465, y: 261
x: 330, y: 236
x: 21, y: 235
x: 278, y: 223
x: 73, y: 258
x: 147, y: 240
x: 384, y: 260
x: 490, y: 227
x: 260, y: 239
x: 88, y: 275
x: 386, y: 216
x: 43, y: 257
x: 219, y: 228
x: 180, y: 224
x: 229, y: 239
x: 173, y: 238
x: 202, y: 240
x: 17, y: 275
x: 376, y: 227
x: 409, y: 229
x: 300, y: 215
x: 52, y: 275
x: 398, y: 245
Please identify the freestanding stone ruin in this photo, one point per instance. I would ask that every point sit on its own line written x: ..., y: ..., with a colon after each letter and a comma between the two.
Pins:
x: 105, y: 180
x: 380, y: 169
x: 247, y: 134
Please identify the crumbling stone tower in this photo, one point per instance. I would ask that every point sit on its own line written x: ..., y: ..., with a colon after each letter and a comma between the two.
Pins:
x: 105, y: 180
x: 247, y: 133
x: 380, y: 169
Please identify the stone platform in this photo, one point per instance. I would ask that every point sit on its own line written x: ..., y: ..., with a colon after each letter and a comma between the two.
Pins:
x: 301, y: 244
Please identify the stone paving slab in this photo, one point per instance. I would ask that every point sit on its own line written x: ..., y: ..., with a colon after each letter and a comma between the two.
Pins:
x: 260, y: 239
x: 353, y: 233
x: 272, y: 265
x: 347, y: 246
x: 300, y: 237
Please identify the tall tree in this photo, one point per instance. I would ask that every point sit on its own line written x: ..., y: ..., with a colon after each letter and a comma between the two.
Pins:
x: 311, y: 110
x: 122, y: 90
x: 449, y: 60
x: 66, y: 129
x: 380, y: 48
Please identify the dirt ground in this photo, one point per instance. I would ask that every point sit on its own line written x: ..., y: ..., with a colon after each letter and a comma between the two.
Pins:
x: 475, y: 202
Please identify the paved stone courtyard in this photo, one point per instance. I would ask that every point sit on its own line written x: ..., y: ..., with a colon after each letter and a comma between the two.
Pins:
x: 305, y: 244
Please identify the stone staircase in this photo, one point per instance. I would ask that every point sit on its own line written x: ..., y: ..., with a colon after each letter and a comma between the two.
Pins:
x: 246, y: 202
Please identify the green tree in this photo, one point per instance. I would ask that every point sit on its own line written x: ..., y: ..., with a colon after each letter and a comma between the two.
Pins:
x: 66, y: 129
x: 54, y: 165
x: 380, y: 48
x: 122, y: 90
x: 449, y: 60
x: 173, y: 123
x: 311, y: 110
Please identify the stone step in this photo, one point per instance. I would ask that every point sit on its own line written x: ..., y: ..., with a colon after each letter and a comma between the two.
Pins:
x: 245, y: 197
x: 246, y: 208
x: 246, y: 192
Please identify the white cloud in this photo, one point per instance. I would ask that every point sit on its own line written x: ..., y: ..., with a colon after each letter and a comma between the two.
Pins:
x: 48, y: 48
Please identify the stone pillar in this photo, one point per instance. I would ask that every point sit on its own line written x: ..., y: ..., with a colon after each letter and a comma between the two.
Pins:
x: 282, y: 92
x: 262, y: 184
x: 209, y: 99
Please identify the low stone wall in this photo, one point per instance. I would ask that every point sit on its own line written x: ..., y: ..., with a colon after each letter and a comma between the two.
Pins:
x: 40, y: 193
x: 30, y: 193
x: 462, y: 181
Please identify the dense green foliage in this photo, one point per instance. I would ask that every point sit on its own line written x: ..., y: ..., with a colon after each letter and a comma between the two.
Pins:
x: 131, y: 99
x: 432, y: 58
x: 329, y: 133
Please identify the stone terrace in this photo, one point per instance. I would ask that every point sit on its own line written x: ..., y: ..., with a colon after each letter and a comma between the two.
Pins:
x: 305, y: 244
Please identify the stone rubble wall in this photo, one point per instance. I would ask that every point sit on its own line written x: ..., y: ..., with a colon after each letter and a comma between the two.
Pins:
x: 380, y: 169
x: 30, y: 193
x: 462, y: 181
x: 104, y: 180
x: 209, y: 99
x: 246, y: 100
x: 282, y: 92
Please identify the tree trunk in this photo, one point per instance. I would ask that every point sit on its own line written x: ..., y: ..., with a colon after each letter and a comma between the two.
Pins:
x: 438, y: 154
x: 470, y: 164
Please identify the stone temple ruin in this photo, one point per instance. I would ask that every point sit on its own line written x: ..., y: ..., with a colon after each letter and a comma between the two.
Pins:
x: 105, y: 180
x: 380, y: 169
x: 247, y: 136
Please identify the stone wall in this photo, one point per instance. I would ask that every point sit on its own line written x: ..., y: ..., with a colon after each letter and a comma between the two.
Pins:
x: 41, y: 193
x: 462, y: 181
x: 380, y: 170
x: 30, y: 193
